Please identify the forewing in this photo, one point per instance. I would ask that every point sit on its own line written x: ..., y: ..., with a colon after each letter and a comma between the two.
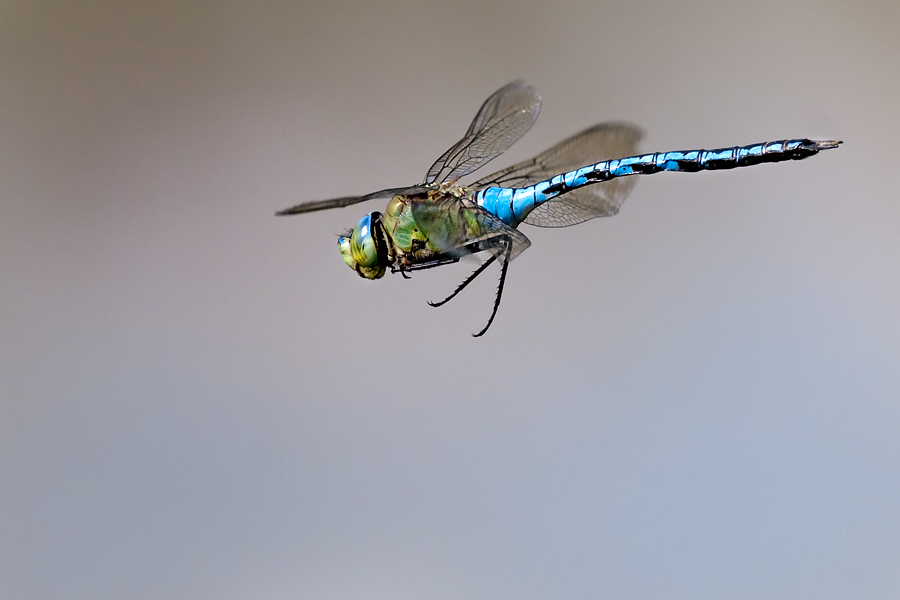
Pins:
x: 501, y: 121
x: 596, y: 144
x: 448, y: 224
x: 315, y: 205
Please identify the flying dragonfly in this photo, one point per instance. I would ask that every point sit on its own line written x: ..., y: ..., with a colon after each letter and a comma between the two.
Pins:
x: 583, y: 177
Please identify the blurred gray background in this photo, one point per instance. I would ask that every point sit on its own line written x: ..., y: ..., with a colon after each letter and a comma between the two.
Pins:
x: 698, y: 398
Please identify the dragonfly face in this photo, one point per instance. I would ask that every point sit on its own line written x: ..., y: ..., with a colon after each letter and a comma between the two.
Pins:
x: 366, y: 250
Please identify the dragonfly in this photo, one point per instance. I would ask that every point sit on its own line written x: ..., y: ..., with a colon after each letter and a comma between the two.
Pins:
x: 585, y: 176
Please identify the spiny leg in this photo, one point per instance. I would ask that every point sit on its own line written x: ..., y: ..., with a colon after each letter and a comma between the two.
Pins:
x: 506, y: 241
x: 468, y: 280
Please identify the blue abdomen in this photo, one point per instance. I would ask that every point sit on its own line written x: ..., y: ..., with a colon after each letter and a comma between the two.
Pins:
x: 512, y: 205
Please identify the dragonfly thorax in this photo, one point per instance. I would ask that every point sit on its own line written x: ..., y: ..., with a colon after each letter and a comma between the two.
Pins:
x: 367, y: 250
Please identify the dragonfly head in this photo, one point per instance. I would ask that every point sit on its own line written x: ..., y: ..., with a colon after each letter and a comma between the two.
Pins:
x: 366, y: 249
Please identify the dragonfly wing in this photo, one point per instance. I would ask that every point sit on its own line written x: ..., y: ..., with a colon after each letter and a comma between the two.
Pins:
x: 314, y: 205
x: 595, y: 144
x: 501, y: 121
x: 458, y: 227
x: 600, y: 200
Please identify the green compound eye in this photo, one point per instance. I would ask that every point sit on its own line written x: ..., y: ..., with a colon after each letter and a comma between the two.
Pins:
x: 361, y: 250
x: 362, y: 243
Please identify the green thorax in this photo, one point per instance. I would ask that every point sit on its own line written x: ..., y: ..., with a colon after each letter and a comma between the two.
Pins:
x: 425, y: 226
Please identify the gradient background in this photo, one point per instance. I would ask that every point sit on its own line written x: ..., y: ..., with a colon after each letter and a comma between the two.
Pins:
x: 699, y: 398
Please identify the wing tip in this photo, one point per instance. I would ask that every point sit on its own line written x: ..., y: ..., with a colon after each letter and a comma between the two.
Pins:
x: 288, y: 211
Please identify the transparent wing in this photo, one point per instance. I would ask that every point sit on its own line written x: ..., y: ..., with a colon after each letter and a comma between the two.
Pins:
x: 314, y: 205
x: 460, y: 227
x: 595, y: 144
x: 501, y: 121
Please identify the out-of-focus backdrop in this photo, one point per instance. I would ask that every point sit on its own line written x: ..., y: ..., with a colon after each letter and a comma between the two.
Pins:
x: 698, y: 398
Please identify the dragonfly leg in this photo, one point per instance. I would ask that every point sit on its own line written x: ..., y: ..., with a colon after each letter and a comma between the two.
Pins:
x: 468, y: 280
x: 506, y: 241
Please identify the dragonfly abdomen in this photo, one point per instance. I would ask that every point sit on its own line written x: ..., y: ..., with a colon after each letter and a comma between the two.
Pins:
x: 738, y: 156
x: 512, y: 205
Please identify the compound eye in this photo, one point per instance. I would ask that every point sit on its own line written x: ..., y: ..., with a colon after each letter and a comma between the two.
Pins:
x: 362, y: 244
